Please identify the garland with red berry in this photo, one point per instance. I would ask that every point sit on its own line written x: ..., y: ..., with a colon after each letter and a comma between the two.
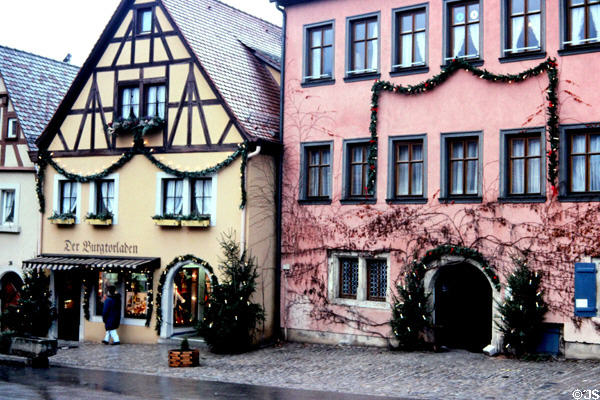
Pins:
x: 550, y: 66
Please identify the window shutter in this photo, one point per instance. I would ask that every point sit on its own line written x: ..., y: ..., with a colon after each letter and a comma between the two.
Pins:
x: 585, y: 289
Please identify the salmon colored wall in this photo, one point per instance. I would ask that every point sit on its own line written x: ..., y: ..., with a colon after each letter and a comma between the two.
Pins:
x: 463, y: 103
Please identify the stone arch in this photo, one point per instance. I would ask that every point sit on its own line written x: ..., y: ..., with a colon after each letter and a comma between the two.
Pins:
x: 432, y: 273
x: 166, y: 290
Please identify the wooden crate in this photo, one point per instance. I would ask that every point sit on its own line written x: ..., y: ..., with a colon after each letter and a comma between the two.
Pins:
x: 184, y: 358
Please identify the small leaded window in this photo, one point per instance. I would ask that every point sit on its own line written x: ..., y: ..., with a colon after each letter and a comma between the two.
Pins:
x: 376, y: 280
x: 348, y: 277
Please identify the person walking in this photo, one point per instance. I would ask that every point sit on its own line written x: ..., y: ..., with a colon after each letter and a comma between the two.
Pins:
x: 111, y: 315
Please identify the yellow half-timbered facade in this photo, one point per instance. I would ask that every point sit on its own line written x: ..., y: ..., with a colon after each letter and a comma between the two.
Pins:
x: 166, y: 140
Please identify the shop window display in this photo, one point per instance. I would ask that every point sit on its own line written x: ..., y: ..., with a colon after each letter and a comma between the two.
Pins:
x: 136, y: 296
x: 190, y: 293
x: 105, y: 279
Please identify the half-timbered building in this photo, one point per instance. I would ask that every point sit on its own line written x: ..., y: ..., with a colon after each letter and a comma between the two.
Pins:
x: 166, y: 140
x: 31, y: 87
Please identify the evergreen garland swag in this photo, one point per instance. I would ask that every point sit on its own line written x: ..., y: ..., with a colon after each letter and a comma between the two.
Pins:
x: 34, y: 312
x: 230, y: 318
x: 523, y: 310
x: 411, y: 314
x: 550, y: 66
x: 45, y: 159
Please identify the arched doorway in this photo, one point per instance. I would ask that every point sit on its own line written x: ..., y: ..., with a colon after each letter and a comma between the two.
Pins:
x: 463, y: 307
x: 10, y: 288
x: 186, y: 292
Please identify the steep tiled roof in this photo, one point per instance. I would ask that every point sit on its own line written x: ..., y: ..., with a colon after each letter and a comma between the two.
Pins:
x: 36, y: 86
x: 231, y: 46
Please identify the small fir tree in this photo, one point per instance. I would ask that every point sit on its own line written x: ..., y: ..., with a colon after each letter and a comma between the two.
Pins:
x: 34, y: 313
x: 522, y: 312
x: 411, y: 314
x: 230, y: 318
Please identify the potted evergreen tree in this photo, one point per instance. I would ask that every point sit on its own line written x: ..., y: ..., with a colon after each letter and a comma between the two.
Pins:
x: 184, y: 356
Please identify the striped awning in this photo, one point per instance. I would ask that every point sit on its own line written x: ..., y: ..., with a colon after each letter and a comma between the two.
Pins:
x: 59, y: 262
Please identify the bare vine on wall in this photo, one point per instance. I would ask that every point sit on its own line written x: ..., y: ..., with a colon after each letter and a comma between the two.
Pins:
x: 553, y: 235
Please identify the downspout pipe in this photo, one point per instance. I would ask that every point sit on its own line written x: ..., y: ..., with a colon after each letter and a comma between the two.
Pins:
x: 243, y: 224
x: 279, y: 194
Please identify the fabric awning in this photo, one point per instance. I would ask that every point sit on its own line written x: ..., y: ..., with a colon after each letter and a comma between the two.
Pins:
x: 59, y: 262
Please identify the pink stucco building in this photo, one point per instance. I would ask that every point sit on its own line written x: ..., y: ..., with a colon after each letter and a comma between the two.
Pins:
x: 373, y: 181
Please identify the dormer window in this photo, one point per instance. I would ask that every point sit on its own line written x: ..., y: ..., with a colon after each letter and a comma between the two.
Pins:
x: 144, y: 20
x: 12, y: 131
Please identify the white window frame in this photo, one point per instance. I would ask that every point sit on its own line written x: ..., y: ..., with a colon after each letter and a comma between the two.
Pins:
x: 92, y: 201
x: 9, y: 128
x: 187, y: 195
x: 56, y: 196
x: 361, y: 290
x: 12, y: 227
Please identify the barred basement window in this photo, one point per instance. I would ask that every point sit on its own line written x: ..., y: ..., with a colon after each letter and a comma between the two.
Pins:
x: 357, y: 279
x: 376, y: 280
x: 348, y: 277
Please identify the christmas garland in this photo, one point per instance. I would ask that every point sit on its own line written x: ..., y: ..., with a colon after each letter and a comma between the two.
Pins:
x: 163, y: 276
x: 549, y: 66
x: 45, y: 159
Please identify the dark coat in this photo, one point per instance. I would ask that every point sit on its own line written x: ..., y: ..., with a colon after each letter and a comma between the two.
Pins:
x: 111, y: 313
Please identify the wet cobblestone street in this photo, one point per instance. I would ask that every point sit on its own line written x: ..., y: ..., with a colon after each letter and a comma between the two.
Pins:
x: 361, y: 370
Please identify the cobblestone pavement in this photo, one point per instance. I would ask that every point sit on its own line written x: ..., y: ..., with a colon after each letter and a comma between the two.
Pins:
x: 455, y: 374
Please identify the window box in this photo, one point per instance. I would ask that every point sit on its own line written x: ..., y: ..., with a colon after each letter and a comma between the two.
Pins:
x: 62, y: 219
x: 102, y: 219
x: 101, y: 222
x: 192, y: 223
x: 166, y: 221
x: 130, y: 125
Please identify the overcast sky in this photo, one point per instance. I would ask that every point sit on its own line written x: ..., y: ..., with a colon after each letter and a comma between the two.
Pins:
x: 53, y: 28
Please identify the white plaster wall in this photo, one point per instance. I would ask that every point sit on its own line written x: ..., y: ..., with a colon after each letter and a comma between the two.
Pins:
x: 22, y: 242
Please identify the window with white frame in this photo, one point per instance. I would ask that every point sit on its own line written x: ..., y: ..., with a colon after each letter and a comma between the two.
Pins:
x: 105, y: 196
x: 172, y: 197
x: 7, y: 206
x: 201, y: 196
x: 183, y: 197
x: 358, y: 279
x: 68, y: 197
